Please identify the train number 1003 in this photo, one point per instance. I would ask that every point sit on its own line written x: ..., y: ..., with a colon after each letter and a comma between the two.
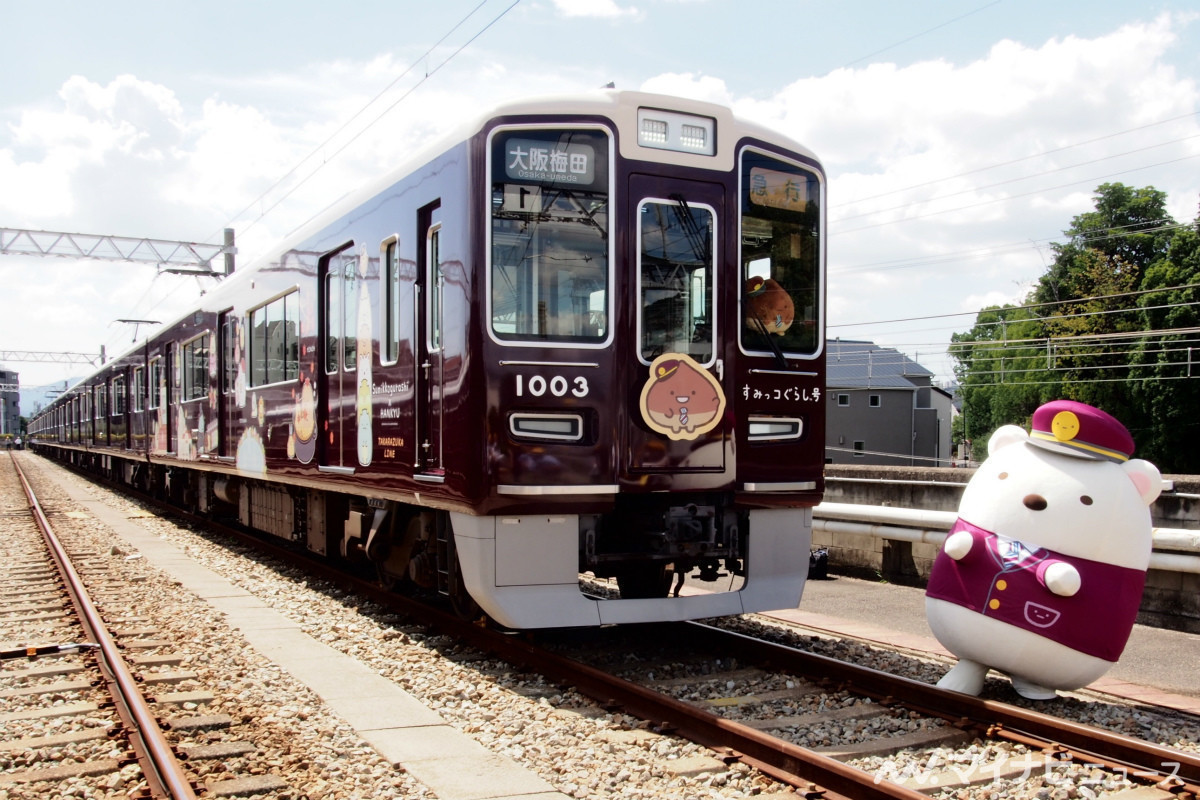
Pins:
x: 556, y: 385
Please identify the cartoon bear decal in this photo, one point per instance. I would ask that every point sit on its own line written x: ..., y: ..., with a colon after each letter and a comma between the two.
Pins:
x: 1041, y: 576
x: 681, y: 399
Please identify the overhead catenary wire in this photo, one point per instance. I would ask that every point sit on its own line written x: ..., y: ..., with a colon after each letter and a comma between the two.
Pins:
x: 360, y: 112
x: 258, y: 200
x: 1013, y: 161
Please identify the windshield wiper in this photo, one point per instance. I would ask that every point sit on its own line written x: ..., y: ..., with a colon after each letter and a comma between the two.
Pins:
x: 761, y: 327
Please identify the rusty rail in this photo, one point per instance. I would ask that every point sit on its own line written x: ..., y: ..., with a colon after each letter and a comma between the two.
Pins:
x: 1178, y: 769
x: 163, y: 773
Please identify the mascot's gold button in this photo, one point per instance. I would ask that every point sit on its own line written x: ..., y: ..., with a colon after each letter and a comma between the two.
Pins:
x: 1002, y: 585
x: 994, y: 605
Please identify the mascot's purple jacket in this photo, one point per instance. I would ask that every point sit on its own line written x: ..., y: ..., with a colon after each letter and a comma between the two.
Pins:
x: 1003, y: 579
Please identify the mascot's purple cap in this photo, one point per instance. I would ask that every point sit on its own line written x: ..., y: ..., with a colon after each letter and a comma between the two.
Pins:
x: 1078, y: 429
x: 668, y: 366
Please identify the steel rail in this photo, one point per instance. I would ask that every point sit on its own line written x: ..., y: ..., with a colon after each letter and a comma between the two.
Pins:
x: 1180, y: 770
x: 164, y: 775
x: 816, y: 775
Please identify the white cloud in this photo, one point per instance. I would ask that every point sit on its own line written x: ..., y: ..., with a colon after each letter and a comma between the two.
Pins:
x: 934, y: 158
x: 603, y: 9
x: 933, y: 191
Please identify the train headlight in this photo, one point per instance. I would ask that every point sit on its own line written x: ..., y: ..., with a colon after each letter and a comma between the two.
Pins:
x: 670, y: 130
x: 774, y: 429
x: 563, y: 427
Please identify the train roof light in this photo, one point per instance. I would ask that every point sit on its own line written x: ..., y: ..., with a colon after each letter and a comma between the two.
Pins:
x: 670, y: 130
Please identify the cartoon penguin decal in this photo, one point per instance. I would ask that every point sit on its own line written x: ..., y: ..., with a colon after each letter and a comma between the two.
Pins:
x: 681, y: 399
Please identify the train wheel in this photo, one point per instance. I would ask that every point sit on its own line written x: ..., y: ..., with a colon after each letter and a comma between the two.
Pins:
x: 460, y: 599
x: 392, y: 550
x: 644, y: 580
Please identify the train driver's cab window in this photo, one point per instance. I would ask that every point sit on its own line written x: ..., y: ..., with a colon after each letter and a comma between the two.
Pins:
x: 275, y: 340
x: 195, y: 368
x: 675, y: 279
x: 549, y: 277
x: 781, y: 293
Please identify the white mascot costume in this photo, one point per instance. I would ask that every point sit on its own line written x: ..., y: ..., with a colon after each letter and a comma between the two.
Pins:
x: 1041, y: 576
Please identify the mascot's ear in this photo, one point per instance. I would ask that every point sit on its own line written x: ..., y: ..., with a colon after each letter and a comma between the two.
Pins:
x: 1004, y: 436
x: 1145, y: 477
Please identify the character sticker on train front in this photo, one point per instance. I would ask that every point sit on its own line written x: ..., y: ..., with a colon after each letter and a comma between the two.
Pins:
x: 681, y: 400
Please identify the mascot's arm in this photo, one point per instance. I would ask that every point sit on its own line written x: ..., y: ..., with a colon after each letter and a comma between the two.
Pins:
x: 958, y: 544
x: 1060, y: 578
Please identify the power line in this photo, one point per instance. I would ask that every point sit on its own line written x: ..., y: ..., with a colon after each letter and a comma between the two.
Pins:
x: 1016, y: 180
x: 429, y: 74
x: 1011, y: 162
x: 880, y: 266
x: 355, y: 116
x: 1089, y: 181
x: 919, y: 35
x: 1024, y: 307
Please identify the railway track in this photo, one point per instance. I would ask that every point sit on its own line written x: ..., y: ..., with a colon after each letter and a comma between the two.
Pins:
x: 794, y: 711
x: 824, y: 726
x: 91, y: 697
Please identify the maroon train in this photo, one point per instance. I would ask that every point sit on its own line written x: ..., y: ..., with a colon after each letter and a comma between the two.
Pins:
x: 585, y: 338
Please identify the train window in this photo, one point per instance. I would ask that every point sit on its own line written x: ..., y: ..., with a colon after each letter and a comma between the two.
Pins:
x: 138, y: 392
x: 275, y: 340
x: 341, y: 312
x: 433, y: 335
x: 157, y: 388
x: 780, y: 256
x: 118, y: 395
x: 99, y: 406
x: 675, y: 279
x: 195, y: 368
x: 549, y: 236
x: 229, y: 352
x: 391, y: 301
x: 350, y: 314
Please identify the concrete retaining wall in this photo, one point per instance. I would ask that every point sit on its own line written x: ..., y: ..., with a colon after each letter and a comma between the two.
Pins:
x: 1170, y: 600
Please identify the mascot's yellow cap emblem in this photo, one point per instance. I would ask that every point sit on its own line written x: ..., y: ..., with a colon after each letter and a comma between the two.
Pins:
x: 1065, y: 426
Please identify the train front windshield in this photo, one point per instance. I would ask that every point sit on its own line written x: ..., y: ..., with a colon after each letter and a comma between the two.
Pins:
x: 781, y: 252
x: 549, y: 272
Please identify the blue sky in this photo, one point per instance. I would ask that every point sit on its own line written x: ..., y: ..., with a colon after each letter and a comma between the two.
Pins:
x: 960, y: 137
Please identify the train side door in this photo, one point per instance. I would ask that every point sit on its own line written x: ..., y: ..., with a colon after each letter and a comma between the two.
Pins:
x: 227, y: 365
x: 430, y: 362
x: 679, y: 420
x: 172, y: 380
x: 336, y: 345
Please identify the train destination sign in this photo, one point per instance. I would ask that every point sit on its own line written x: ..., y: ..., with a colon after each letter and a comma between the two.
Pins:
x: 533, y: 160
x: 777, y: 189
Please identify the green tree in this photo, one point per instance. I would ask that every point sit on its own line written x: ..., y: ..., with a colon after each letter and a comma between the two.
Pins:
x: 1091, y: 319
x: 1000, y: 364
x: 1082, y: 334
x: 1166, y: 382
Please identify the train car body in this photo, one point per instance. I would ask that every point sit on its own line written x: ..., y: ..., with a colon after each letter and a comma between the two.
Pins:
x: 585, y: 337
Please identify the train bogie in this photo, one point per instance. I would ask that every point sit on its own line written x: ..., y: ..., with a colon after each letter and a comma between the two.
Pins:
x: 567, y: 371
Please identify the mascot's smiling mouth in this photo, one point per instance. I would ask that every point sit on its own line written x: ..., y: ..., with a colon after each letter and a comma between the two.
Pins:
x: 1040, y: 616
